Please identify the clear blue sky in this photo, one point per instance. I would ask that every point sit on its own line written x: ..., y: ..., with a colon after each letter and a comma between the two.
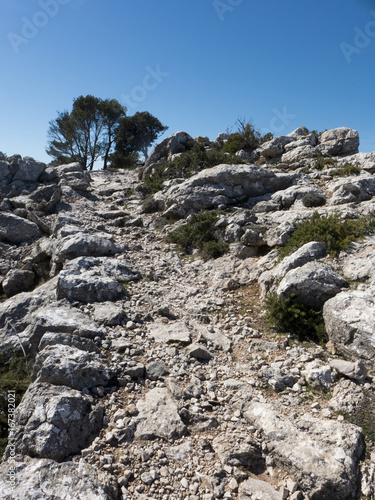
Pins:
x: 215, y: 60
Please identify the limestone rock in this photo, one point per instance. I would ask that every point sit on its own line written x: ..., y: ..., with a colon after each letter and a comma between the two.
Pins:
x: 349, y: 319
x: 339, y: 141
x: 255, y: 489
x: 55, y: 422
x: 174, y: 332
x: 158, y: 417
x: 83, y: 244
x: 176, y: 143
x: 45, y: 478
x: 17, y: 281
x: 325, y: 458
x: 312, y: 284
x: 17, y: 229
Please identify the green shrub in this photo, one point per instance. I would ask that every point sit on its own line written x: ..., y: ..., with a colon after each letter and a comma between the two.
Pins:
x: 14, y: 376
x: 199, y: 232
x: 335, y: 232
x: 322, y: 162
x: 298, y: 319
x: 186, y: 165
x: 347, y: 169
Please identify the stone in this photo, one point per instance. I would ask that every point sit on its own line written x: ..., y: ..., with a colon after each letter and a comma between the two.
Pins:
x: 55, y: 422
x: 170, y: 333
x: 318, y: 375
x: 238, y: 451
x: 90, y: 279
x: 178, y: 142
x: 255, y: 489
x: 252, y: 239
x: 312, y: 284
x: 29, y: 170
x: 199, y: 352
x: 325, y: 459
x: 108, y: 313
x: 156, y: 370
x: 17, y: 229
x: 45, y: 478
x: 352, y: 189
x: 275, y: 147
x: 339, y: 141
x: 16, y: 281
x: 307, y: 253
x: 158, y: 417
x: 83, y: 244
x: 72, y: 367
x: 347, y: 397
x: 355, y: 371
x: 222, y: 185
x: 349, y: 319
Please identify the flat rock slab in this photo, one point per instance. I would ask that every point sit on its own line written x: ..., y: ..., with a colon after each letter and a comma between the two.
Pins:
x: 324, y: 455
x: 176, y: 332
x: 254, y: 489
x: 44, y: 478
x: 158, y: 417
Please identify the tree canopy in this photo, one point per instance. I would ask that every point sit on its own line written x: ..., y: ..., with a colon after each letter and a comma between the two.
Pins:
x: 98, y: 128
x: 86, y: 133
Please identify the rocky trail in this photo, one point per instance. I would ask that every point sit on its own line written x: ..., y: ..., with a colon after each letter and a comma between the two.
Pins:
x: 155, y: 374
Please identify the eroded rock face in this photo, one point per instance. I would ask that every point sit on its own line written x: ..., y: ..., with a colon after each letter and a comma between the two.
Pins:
x: 55, y: 422
x: 60, y: 481
x: 324, y: 459
x: 339, y: 141
x: 349, y: 319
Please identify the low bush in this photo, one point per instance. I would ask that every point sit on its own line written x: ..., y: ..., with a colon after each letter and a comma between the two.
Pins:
x: 347, y: 169
x: 322, y: 162
x: 199, y: 232
x: 335, y: 232
x: 186, y: 165
x: 286, y: 315
x: 313, y: 200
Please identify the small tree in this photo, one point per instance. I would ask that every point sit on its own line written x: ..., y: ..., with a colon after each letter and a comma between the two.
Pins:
x: 86, y: 133
x: 136, y: 133
x: 247, y: 137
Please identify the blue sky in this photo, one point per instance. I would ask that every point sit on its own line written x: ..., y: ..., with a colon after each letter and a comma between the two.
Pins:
x: 195, y: 64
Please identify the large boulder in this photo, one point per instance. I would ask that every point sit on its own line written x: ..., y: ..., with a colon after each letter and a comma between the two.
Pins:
x: 72, y: 367
x: 312, y: 284
x: 349, y: 319
x: 223, y: 185
x: 17, y: 229
x: 275, y: 147
x: 55, y: 422
x: 100, y: 279
x: 179, y: 142
x: 323, y: 455
x: 45, y: 478
x: 28, y: 170
x: 17, y: 280
x: 339, y: 141
x: 352, y: 189
x: 80, y: 244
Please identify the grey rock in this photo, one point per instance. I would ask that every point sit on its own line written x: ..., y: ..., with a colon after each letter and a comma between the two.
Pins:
x: 298, y: 155
x: 29, y: 170
x: 275, y: 147
x: 223, y: 185
x: 312, y: 284
x: 280, y: 234
x: 83, y: 244
x: 255, y: 489
x: 173, y: 332
x: 252, y: 238
x: 352, y: 189
x: 55, y: 422
x: 318, y: 375
x: 349, y: 319
x: 359, y: 265
x: 45, y: 478
x: 199, y: 352
x: 307, y: 253
x: 347, y: 397
x: 108, y: 313
x: 158, y: 417
x: 339, y: 141
x: 16, y: 229
x: 90, y: 279
x: 156, y: 370
x: 354, y: 370
x: 178, y: 142
x: 298, y: 132
x: 302, y: 141
x: 237, y: 451
x: 324, y: 460
x: 72, y: 367
x: 17, y: 281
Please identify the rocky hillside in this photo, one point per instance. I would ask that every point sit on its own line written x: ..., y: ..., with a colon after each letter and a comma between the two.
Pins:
x: 157, y: 373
